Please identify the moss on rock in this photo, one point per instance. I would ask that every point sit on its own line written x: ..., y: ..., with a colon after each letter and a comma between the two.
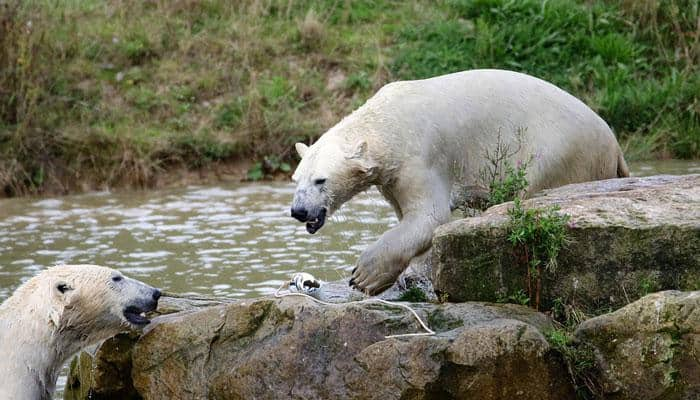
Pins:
x: 628, y: 237
x: 648, y: 349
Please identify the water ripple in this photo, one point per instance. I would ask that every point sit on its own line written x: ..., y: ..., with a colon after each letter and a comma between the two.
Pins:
x: 235, y: 241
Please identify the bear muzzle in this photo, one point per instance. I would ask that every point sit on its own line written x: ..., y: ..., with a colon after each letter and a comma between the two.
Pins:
x: 314, y: 220
x: 136, y: 313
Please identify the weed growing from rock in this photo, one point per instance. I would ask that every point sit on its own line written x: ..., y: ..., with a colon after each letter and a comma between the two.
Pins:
x: 579, y: 359
x: 504, y: 181
x: 568, y: 315
x: 519, y: 297
x: 414, y: 295
x: 510, y: 187
x: 538, y: 234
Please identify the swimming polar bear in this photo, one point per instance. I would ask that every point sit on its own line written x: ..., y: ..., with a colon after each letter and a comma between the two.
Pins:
x: 57, y: 313
x: 419, y: 140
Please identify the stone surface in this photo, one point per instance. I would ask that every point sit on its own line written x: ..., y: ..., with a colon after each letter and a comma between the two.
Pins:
x: 104, y: 372
x: 629, y: 237
x: 298, y: 349
x: 649, y: 349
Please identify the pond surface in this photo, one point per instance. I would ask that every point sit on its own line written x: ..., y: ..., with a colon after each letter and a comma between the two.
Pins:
x: 235, y: 241
x: 229, y: 240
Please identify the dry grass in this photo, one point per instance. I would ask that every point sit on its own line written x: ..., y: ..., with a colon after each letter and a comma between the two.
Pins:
x: 113, y: 93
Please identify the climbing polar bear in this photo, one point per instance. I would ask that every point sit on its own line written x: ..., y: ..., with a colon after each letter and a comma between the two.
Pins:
x: 57, y: 313
x: 419, y: 141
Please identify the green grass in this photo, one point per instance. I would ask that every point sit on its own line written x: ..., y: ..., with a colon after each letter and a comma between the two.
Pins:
x: 635, y: 62
x: 114, y: 93
x: 413, y: 294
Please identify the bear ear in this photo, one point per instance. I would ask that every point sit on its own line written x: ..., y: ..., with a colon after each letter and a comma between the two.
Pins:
x: 366, y: 166
x: 301, y: 149
x: 359, y: 151
x: 60, y: 291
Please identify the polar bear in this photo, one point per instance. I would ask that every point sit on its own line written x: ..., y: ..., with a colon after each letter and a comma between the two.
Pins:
x: 57, y: 313
x: 419, y: 140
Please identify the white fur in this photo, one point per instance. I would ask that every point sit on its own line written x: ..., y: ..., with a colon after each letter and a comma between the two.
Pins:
x: 41, y: 327
x: 419, y: 140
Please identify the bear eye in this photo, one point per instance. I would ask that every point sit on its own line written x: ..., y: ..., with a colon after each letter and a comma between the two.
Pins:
x: 319, y: 181
x: 63, y: 287
x: 116, y: 279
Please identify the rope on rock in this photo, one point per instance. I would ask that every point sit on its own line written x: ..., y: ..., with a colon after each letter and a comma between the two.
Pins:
x: 305, y: 282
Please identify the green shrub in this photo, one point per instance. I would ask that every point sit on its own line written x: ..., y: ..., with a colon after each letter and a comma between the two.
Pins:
x: 230, y: 114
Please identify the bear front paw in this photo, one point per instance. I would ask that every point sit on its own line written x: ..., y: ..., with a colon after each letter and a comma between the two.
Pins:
x: 373, y: 278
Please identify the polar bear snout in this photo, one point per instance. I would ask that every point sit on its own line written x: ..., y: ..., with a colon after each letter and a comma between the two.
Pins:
x: 314, y: 218
x: 300, y: 214
x: 135, y: 311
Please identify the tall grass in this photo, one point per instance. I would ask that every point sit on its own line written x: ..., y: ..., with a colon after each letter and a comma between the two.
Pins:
x: 634, y: 61
x: 99, y: 93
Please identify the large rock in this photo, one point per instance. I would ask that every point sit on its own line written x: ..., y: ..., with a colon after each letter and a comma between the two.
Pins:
x: 649, y: 349
x: 629, y: 237
x: 295, y: 348
x: 104, y: 375
x: 104, y: 372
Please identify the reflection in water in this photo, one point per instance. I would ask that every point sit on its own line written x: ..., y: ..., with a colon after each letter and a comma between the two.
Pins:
x: 225, y: 241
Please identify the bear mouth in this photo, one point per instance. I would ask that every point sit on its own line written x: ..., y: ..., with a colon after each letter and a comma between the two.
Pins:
x: 314, y: 225
x: 136, y: 316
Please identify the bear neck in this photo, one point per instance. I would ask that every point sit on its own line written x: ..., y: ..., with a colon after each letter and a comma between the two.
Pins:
x: 31, y: 353
x: 36, y: 347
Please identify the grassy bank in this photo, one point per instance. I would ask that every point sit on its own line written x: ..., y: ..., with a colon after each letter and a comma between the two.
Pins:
x: 104, y: 94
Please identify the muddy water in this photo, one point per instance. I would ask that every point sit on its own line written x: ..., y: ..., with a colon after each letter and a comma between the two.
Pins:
x: 235, y: 240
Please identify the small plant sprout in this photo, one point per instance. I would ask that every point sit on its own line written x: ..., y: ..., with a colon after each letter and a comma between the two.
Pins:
x: 504, y: 181
x: 537, y: 234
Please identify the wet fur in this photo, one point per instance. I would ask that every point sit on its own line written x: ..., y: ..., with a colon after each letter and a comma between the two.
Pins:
x: 40, y: 327
x: 419, y: 140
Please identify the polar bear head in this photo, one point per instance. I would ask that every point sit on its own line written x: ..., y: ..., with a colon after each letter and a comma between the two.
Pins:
x: 330, y: 173
x: 58, y: 312
x: 95, y: 301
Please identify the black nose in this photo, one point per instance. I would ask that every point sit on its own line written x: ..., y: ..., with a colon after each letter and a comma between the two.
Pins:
x: 300, y: 213
x: 156, y: 294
